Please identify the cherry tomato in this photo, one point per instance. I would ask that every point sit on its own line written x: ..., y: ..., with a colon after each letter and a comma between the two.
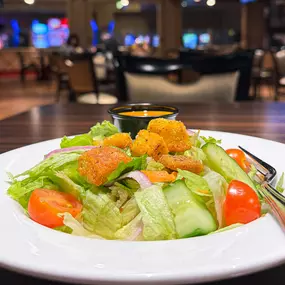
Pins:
x: 45, y: 205
x: 241, y: 204
x: 239, y: 157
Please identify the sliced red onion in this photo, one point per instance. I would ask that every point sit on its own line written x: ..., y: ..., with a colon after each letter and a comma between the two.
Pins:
x: 139, y: 177
x: 190, y: 132
x: 87, y: 147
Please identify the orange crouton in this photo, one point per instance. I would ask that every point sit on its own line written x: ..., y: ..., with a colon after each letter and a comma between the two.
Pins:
x: 120, y: 140
x: 175, y: 162
x: 173, y: 132
x: 98, y: 163
x: 149, y: 143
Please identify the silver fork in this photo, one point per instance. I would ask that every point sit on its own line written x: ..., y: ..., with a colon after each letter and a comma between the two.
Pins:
x: 265, y: 176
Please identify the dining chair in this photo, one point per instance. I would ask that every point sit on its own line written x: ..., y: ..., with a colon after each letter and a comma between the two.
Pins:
x: 143, y: 66
x: 59, y: 71
x: 262, y: 75
x: 148, y: 78
x: 210, y: 64
x: 27, y: 67
x: 83, y: 81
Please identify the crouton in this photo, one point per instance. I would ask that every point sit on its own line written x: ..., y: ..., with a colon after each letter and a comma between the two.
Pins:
x: 149, y: 143
x: 98, y: 163
x: 120, y: 140
x: 175, y: 162
x: 174, y: 134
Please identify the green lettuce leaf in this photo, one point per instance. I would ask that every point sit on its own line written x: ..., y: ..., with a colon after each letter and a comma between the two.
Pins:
x: 119, y: 194
x: 54, y: 162
x: 195, y: 183
x: 80, y: 140
x: 64, y: 229
x: 130, y: 210
x: 101, y: 215
x: 21, y: 191
x: 154, y: 166
x: 74, y: 227
x: 156, y: 215
x: 103, y: 130
x: 279, y: 185
x: 137, y: 163
x: 66, y: 184
x: 211, y: 140
x: 132, y: 231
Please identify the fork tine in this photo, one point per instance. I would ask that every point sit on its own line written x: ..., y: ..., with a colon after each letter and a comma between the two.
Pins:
x: 268, y: 167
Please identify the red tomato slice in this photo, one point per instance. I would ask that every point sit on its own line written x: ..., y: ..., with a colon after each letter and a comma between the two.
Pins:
x: 241, y: 204
x: 239, y: 157
x: 45, y: 205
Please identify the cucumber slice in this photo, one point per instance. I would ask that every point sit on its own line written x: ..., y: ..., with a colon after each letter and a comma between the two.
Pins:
x: 219, y: 161
x: 191, y: 217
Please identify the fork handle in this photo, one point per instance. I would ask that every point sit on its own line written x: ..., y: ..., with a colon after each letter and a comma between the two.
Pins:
x: 276, y: 201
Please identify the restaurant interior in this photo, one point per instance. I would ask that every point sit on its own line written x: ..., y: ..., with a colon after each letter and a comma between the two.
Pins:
x: 143, y: 94
x: 104, y: 52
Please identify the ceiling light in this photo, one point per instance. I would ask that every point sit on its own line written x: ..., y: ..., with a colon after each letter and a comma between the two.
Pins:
x: 211, y: 3
x: 119, y: 5
x: 125, y: 2
x: 184, y: 4
x: 29, y: 2
x: 197, y: 1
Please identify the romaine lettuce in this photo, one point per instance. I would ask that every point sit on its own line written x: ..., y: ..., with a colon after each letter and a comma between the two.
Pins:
x: 279, y: 185
x: 76, y: 228
x: 196, y: 153
x: 103, y: 130
x: 129, y: 210
x: 80, y: 140
x: 137, y: 163
x: 101, y: 215
x: 153, y: 165
x: 66, y: 184
x: 132, y: 231
x: 156, y: 215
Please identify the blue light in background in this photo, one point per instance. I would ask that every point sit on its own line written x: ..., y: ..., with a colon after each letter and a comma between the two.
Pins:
x: 111, y: 27
x: 16, y: 33
x: 95, y: 31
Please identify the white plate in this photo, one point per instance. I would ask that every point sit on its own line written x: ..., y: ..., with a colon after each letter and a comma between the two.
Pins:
x: 33, y: 249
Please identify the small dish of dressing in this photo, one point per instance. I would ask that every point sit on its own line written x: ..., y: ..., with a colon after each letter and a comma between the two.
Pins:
x: 131, y: 118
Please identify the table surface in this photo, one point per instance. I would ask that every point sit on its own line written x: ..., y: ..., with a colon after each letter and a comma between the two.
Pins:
x: 265, y: 120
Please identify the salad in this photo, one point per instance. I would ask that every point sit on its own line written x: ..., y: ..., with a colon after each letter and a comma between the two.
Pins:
x: 168, y: 183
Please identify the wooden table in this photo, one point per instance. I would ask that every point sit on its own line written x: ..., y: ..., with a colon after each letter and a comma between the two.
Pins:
x: 266, y: 120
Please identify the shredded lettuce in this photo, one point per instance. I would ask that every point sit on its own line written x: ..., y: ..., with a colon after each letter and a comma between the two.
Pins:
x: 195, y: 139
x: 54, y: 162
x: 80, y: 140
x: 129, y: 210
x: 103, y: 130
x: 101, y: 215
x: 153, y: 165
x: 74, y: 227
x: 195, y: 183
x: 22, y: 190
x: 157, y: 218
x: 66, y: 184
x: 211, y: 140
x: 279, y: 185
x: 132, y: 231
x: 137, y: 163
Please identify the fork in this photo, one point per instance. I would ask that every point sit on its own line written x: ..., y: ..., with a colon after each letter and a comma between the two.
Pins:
x: 265, y: 176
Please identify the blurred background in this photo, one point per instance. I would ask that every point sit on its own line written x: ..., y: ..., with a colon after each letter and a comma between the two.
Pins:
x: 108, y: 51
